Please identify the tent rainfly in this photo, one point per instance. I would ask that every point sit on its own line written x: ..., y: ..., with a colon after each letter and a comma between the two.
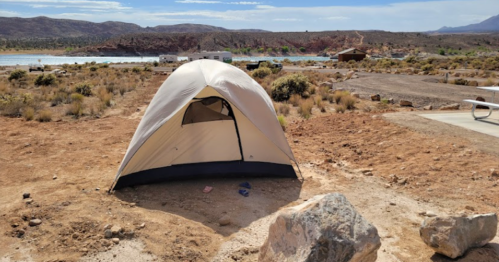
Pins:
x: 207, y: 119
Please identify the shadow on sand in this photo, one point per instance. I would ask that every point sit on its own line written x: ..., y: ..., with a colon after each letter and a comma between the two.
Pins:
x: 487, y: 253
x: 186, y: 199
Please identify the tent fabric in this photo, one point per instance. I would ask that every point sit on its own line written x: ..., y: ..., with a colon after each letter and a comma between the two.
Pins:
x: 161, y: 140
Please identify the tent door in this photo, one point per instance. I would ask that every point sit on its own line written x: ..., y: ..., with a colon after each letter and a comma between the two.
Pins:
x: 209, y: 133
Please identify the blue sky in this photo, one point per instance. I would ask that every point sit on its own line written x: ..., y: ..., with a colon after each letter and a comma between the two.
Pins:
x: 273, y: 15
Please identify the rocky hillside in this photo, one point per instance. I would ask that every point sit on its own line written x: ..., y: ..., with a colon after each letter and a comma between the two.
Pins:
x: 251, y: 43
x: 489, y: 25
x: 44, y: 27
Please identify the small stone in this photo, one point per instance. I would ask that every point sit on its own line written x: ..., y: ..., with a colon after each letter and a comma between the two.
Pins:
x: 402, y: 181
x: 35, y: 222
x: 224, y: 220
x: 470, y: 208
x: 393, y: 178
x: 454, y: 106
x: 115, y: 230
x: 54, y: 177
x: 116, y: 240
x: 388, y: 185
x: 428, y: 107
x: 108, y: 233
x: 376, y: 97
x: 436, y: 159
x: 97, y: 189
x: 430, y: 214
x: 391, y: 101
x: 130, y: 234
x: 28, y: 201
x: 494, y: 173
x: 26, y: 195
x: 142, y: 225
x: 405, y: 103
x: 84, y: 250
x: 392, y: 204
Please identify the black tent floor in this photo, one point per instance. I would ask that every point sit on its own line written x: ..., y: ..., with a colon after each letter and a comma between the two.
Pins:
x: 206, y: 170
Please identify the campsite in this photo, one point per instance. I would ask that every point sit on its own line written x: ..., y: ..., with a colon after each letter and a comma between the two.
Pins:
x: 394, y: 166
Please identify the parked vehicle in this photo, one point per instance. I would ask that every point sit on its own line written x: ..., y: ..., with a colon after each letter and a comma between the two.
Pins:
x: 253, y: 66
x: 36, y: 67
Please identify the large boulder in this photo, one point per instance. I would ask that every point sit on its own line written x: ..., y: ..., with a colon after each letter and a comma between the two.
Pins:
x: 453, y: 236
x: 324, y: 228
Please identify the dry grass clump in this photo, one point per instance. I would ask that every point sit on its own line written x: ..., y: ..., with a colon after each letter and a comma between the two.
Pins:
x: 261, y: 72
x: 283, y: 109
x: 29, y: 113
x: 294, y: 100
x: 305, y: 108
x: 44, y: 115
x: 340, y: 95
x: 488, y: 82
x: 339, y: 108
x: 320, y: 104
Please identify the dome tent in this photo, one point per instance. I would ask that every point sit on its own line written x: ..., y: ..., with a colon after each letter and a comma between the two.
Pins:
x: 208, y: 118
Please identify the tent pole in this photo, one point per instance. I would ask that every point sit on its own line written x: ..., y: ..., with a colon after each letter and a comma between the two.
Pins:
x: 298, y: 166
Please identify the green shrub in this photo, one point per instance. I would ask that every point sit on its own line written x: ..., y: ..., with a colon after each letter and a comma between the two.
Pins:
x: 45, y: 80
x: 93, y: 68
x: 147, y: 69
x: 84, y: 89
x: 136, y: 69
x: 302, y: 49
x: 261, y: 72
x: 77, y: 97
x: 18, y: 74
x: 284, y: 87
x: 461, y: 82
x: 282, y: 122
x: 285, y: 49
x: 155, y: 63
x: 105, y: 65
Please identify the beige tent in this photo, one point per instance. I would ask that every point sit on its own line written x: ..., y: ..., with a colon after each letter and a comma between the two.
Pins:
x: 208, y: 118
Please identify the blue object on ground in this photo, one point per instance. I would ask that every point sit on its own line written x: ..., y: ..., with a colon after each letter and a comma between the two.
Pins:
x: 246, y: 185
x: 244, y: 192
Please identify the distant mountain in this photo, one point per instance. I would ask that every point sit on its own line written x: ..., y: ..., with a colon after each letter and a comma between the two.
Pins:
x: 489, y: 25
x: 45, y: 27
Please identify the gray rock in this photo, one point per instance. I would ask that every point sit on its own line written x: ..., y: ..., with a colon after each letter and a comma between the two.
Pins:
x: 35, y: 222
x: 428, y: 107
x: 453, y: 236
x: 454, y: 106
x: 224, y: 220
x: 324, y: 228
x: 108, y: 233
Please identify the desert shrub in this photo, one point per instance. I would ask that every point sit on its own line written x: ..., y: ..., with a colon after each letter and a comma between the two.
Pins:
x: 44, y: 115
x: 338, y: 96
x: 348, y: 102
x: 75, y: 109
x: 29, y: 113
x: 47, y: 67
x: 104, y: 65
x: 59, y: 98
x: 284, y: 109
x: 84, y: 89
x: 320, y: 105
x: 284, y: 87
x: 105, y: 97
x: 427, y: 67
x: 77, y: 97
x: 385, y: 101
x: 339, y: 108
x: 17, y: 74
x: 294, y: 100
x: 488, y: 82
x: 125, y: 70
x: 136, y: 69
x: 261, y: 72
x: 155, y: 63
x: 93, y: 68
x: 45, y: 80
x: 14, y: 105
x: 461, y: 82
x: 147, y: 69
x: 282, y: 122
x: 305, y: 108
x: 330, y: 98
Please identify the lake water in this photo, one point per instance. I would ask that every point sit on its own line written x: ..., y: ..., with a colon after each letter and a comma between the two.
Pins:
x: 59, y: 60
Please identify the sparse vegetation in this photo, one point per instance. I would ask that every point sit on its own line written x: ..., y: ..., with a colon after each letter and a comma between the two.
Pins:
x: 282, y: 122
x: 17, y: 74
x: 45, y: 80
x: 261, y: 72
x: 305, y: 108
x: 284, y: 87
x: 44, y: 115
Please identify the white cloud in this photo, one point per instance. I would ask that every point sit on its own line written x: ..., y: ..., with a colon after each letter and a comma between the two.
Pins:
x: 287, y: 19
x: 264, y: 6
x: 85, y: 4
x: 8, y: 13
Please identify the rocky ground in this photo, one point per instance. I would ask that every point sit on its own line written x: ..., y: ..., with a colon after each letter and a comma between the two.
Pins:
x: 392, y: 165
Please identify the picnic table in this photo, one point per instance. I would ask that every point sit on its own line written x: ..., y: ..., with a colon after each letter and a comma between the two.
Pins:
x: 491, y: 105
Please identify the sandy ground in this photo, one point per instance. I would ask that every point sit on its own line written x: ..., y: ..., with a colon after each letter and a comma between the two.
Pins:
x: 67, y: 166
